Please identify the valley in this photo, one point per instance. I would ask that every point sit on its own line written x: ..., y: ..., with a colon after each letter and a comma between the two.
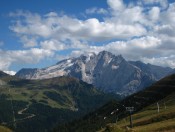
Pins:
x: 37, y: 105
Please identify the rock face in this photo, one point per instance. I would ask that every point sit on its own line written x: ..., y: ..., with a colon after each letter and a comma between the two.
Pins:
x: 105, y: 70
x: 157, y: 72
x: 27, y: 73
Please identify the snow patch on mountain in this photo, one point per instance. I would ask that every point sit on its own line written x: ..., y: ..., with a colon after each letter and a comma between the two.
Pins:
x: 105, y: 70
x: 114, y: 67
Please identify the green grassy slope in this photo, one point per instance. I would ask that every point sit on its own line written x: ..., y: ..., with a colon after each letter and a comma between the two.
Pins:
x: 149, y: 119
x: 145, y: 104
x: 38, y: 105
x: 4, y: 129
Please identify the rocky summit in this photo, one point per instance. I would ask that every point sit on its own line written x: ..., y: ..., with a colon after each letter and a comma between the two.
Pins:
x: 105, y: 70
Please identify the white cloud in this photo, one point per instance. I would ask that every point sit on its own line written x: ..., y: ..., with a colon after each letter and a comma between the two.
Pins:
x: 31, y: 24
x: 162, y: 3
x: 116, y: 5
x: 165, y: 30
x: 134, y: 49
x: 145, y: 42
x: 53, y: 45
x: 136, y: 31
x: 166, y: 61
x: 10, y: 72
x: 154, y: 13
x: 28, y: 42
x: 32, y: 56
x: 64, y: 27
x: 4, y: 63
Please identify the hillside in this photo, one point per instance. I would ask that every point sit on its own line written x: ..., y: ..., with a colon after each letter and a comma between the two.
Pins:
x: 149, y: 119
x: 4, y: 129
x: 2, y: 74
x: 38, y: 105
x: 145, y: 114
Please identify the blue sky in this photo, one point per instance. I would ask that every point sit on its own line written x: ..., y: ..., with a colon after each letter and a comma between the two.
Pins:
x: 40, y: 33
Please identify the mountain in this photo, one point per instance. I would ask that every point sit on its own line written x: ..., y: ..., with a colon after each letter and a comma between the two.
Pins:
x: 145, y: 117
x: 38, y: 105
x: 3, y: 74
x: 172, y: 72
x: 105, y: 70
x: 26, y: 73
x: 157, y: 72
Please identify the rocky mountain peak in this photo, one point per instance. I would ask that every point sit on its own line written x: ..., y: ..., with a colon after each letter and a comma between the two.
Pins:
x: 108, y: 58
x: 105, y: 70
x: 87, y: 56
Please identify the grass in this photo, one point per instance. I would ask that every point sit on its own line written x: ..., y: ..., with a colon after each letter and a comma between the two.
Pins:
x: 149, y: 120
x: 29, y: 90
x: 113, y: 128
x: 4, y: 129
x: 38, y: 95
x: 165, y: 125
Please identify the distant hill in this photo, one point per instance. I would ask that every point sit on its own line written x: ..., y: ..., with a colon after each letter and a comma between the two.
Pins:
x: 106, y: 71
x: 157, y: 72
x: 38, y: 105
x: 3, y: 77
x: 143, y: 102
x: 3, y: 74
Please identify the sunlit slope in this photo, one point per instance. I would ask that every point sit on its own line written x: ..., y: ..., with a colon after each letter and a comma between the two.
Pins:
x: 149, y: 119
x: 27, y: 105
x: 4, y: 129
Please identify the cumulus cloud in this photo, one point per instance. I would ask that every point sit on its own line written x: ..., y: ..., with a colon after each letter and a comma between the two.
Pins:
x: 30, y: 24
x: 65, y: 27
x: 53, y: 45
x: 147, y: 49
x: 162, y: 3
x: 116, y: 5
x: 32, y: 56
x: 154, y: 13
x: 141, y: 31
x: 28, y: 42
x: 166, y: 61
x: 10, y: 72
x: 134, y: 49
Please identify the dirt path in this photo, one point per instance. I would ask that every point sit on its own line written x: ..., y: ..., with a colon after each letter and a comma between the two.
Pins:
x: 21, y: 112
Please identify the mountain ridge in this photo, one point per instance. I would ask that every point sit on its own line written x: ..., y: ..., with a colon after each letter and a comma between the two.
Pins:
x: 106, y: 71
